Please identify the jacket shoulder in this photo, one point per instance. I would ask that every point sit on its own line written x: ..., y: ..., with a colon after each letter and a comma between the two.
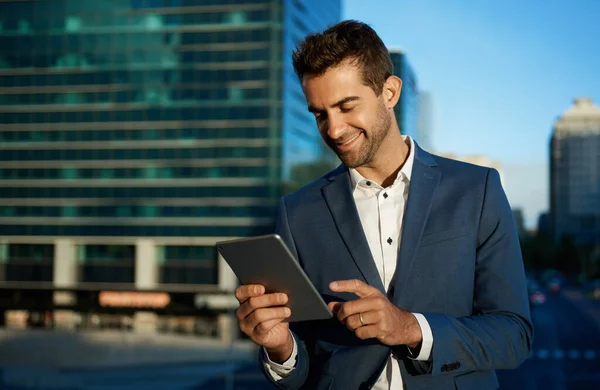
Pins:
x: 313, y: 189
x: 463, y: 169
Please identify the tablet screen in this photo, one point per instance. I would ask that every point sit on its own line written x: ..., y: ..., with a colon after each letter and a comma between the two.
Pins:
x: 266, y: 260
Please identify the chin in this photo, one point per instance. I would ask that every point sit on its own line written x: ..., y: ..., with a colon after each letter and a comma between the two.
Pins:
x: 351, y: 162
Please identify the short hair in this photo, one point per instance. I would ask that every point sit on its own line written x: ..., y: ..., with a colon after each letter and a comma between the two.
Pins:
x: 347, y: 40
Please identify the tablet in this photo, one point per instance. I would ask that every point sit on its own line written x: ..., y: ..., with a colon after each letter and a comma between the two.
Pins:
x: 266, y: 260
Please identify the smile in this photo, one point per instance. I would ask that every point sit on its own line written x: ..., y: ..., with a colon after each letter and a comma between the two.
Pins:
x: 348, y: 144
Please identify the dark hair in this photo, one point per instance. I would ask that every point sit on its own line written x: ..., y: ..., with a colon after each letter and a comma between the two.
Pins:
x: 349, y: 39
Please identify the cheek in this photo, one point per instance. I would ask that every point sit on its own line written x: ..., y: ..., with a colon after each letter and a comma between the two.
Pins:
x: 322, y: 127
x: 358, y: 120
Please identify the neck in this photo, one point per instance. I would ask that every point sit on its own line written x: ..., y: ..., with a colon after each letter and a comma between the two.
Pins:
x: 390, y: 158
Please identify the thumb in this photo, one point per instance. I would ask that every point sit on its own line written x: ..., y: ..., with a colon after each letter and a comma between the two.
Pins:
x: 335, y: 306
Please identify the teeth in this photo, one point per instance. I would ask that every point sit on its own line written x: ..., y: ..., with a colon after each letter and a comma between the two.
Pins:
x: 350, y: 140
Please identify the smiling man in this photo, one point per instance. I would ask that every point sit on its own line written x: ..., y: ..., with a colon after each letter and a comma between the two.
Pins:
x: 417, y: 255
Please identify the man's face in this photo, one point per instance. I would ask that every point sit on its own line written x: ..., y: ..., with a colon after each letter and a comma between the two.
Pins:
x: 352, y: 120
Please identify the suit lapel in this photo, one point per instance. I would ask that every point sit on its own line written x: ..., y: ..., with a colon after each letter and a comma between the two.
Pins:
x: 338, y: 196
x: 424, y: 180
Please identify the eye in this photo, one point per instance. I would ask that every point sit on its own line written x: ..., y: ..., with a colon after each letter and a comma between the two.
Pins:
x: 319, y: 116
x: 346, y: 109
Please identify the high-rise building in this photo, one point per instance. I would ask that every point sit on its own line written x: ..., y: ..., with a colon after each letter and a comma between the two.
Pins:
x: 425, y: 123
x: 407, y: 109
x: 575, y: 173
x: 134, y: 134
x: 543, y: 224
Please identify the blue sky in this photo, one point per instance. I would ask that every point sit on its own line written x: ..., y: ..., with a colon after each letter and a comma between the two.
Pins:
x: 500, y: 73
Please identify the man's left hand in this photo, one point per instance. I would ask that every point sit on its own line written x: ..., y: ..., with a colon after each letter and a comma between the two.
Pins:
x: 381, y: 319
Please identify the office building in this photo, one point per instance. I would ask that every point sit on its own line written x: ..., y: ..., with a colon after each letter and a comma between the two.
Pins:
x: 426, y: 123
x: 543, y: 225
x: 135, y: 134
x: 407, y: 109
x: 575, y: 174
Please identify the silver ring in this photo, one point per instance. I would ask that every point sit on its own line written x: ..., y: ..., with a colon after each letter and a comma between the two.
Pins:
x: 361, y: 319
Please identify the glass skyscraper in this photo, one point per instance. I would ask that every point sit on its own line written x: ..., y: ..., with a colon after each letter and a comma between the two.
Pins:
x: 575, y: 174
x: 134, y: 134
x: 407, y: 109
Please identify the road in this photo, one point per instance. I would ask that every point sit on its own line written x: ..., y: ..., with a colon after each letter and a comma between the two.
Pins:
x: 565, y: 356
x: 566, y: 350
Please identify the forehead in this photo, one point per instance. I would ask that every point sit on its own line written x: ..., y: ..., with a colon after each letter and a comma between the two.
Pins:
x: 335, y: 84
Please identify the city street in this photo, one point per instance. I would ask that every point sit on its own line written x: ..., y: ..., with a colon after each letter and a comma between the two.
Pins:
x: 566, y: 350
x: 565, y: 356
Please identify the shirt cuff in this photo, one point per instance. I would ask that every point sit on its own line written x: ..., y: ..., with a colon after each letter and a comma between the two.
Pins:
x: 279, y: 371
x: 426, y: 344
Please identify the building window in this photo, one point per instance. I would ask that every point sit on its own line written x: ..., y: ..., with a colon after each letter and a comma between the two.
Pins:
x: 236, y: 17
x: 106, y: 173
x: 70, y: 98
x: 188, y: 265
x: 7, y: 211
x: 149, y: 211
x: 150, y: 172
x: 71, y: 60
x: 124, y: 211
x: 69, y: 211
x: 28, y: 262
x: 107, y: 263
x: 236, y: 94
x: 69, y: 173
x: 24, y: 27
x: 153, y: 22
x: 72, y: 24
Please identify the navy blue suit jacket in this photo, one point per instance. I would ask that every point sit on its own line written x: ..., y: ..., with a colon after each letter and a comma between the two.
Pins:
x: 459, y: 263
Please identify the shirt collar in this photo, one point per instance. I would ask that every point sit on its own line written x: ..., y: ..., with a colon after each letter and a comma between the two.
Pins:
x: 405, y: 171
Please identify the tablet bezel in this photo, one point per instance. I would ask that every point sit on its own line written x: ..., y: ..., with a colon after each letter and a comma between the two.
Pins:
x: 267, y: 260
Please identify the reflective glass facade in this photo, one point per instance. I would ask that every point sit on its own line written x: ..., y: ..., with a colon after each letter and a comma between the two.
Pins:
x: 407, y: 109
x: 32, y: 262
x: 152, y: 118
x: 161, y: 106
x: 305, y: 155
x: 575, y: 186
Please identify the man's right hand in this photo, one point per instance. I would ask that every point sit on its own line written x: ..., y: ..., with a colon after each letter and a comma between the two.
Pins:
x: 261, y: 318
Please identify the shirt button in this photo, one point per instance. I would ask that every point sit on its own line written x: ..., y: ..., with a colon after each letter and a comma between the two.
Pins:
x: 385, y: 195
x: 389, y: 240
x: 368, y: 183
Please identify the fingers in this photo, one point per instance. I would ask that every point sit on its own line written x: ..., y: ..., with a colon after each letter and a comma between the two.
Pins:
x: 354, y: 286
x: 335, y: 306
x: 367, y: 332
x: 243, y: 293
x: 262, y: 301
x: 354, y: 322
x: 261, y: 321
x: 362, y: 305
x: 263, y: 328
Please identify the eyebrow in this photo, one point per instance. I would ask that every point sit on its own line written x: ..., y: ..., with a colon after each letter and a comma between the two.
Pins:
x: 336, y: 104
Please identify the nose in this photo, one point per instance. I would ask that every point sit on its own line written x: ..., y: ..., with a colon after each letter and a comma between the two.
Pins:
x: 335, y: 127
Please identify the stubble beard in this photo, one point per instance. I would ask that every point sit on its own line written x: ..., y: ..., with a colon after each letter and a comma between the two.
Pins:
x: 370, y: 145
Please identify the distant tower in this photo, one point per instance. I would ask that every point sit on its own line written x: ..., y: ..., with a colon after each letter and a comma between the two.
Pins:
x: 407, y: 109
x: 425, y: 122
x: 575, y: 173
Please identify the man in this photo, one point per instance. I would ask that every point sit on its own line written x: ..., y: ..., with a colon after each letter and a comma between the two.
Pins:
x: 417, y: 255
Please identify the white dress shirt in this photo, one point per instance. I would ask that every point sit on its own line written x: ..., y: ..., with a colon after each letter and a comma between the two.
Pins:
x: 381, y: 212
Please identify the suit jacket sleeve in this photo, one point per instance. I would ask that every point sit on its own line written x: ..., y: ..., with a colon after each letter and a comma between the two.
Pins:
x: 298, y: 376
x: 498, y: 334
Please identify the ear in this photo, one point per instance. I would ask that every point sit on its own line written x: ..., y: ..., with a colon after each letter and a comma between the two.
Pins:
x: 391, y: 91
